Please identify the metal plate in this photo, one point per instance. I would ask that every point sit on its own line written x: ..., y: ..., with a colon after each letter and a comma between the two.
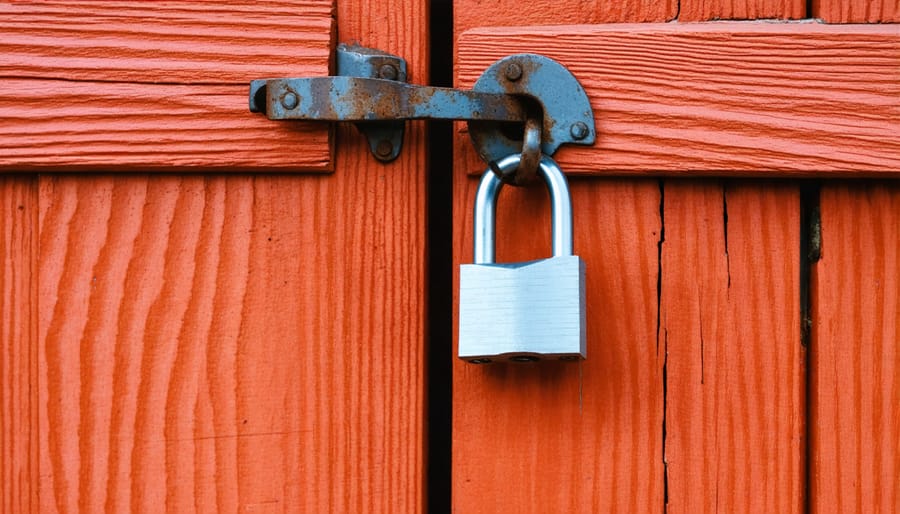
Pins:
x: 553, y: 92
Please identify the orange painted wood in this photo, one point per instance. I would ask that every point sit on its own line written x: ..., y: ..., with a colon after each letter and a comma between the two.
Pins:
x: 18, y: 352
x: 469, y: 14
x: 720, y: 98
x: 856, y: 11
x: 239, y: 343
x: 231, y: 343
x: 566, y: 437
x: 132, y: 86
x: 709, y: 10
x: 855, y: 363
x: 730, y: 330
x: 569, y: 437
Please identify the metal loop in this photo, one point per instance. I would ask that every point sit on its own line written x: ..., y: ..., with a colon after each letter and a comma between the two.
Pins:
x: 531, y: 153
x: 527, y: 170
x: 486, y: 207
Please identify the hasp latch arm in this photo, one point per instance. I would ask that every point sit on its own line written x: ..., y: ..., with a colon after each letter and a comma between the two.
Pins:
x: 518, y: 91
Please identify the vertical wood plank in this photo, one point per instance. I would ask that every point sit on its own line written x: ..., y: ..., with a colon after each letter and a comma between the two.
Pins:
x: 734, y: 367
x: 855, y: 364
x: 389, y: 278
x: 856, y: 11
x: 240, y: 343
x: 563, y: 437
x: 709, y: 10
x: 202, y: 344
x: 18, y: 358
x: 569, y: 437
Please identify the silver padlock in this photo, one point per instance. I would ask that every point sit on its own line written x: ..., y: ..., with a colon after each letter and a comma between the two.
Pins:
x: 522, y: 311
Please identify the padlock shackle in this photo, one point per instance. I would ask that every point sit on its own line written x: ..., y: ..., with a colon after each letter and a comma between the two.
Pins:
x: 486, y: 208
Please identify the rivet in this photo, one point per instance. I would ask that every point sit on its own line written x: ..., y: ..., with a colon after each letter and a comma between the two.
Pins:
x: 387, y: 72
x: 513, y: 72
x: 579, y: 130
x: 384, y: 149
x: 290, y: 100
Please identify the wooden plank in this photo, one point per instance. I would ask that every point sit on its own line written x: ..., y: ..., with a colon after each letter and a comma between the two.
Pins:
x: 730, y: 324
x: 236, y: 342
x: 18, y: 349
x: 124, y: 86
x: 856, y: 11
x: 556, y: 438
x: 201, y: 344
x: 855, y: 364
x: 505, y: 13
x: 569, y: 437
x: 722, y: 98
x: 708, y: 10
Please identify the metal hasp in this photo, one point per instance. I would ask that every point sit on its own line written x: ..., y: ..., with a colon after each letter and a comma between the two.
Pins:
x: 370, y: 90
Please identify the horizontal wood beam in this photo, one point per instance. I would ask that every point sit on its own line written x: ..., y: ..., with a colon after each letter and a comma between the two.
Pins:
x: 121, y: 86
x: 725, y: 98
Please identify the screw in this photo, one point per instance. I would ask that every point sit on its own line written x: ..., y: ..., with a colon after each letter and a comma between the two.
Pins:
x: 524, y: 358
x: 479, y: 361
x: 384, y: 149
x: 388, y: 72
x: 290, y: 100
x: 579, y: 130
x: 513, y: 71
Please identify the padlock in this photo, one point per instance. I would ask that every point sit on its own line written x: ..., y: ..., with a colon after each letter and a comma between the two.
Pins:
x: 522, y: 311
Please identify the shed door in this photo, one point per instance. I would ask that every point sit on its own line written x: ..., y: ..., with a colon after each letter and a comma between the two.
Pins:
x: 742, y: 327
x: 203, y: 310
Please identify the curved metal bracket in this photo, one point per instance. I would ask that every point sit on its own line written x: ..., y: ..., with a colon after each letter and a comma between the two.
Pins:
x: 555, y: 96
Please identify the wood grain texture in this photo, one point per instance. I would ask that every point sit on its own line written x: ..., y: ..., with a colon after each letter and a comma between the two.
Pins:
x: 720, y: 98
x: 230, y: 344
x: 730, y: 326
x: 239, y: 343
x: 855, y: 364
x: 708, y: 10
x: 123, y: 86
x: 470, y: 14
x: 856, y: 11
x: 569, y: 437
x: 18, y: 351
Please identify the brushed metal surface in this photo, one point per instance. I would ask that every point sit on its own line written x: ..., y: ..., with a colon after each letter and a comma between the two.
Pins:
x: 525, y: 310
x: 534, y: 308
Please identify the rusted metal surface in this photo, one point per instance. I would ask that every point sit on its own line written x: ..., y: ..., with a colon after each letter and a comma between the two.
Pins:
x: 372, y: 92
x: 364, y: 99
x: 553, y: 95
x: 527, y: 170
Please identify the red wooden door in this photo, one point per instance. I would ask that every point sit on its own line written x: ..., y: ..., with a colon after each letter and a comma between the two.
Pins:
x: 204, y: 310
x: 207, y: 311
x: 726, y: 372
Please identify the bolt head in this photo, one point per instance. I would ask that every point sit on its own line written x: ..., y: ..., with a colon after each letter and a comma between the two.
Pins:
x: 513, y: 71
x: 384, y: 149
x: 579, y: 130
x: 387, y: 72
x: 290, y: 100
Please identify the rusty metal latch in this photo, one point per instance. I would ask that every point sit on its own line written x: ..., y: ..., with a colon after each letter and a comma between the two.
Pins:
x: 371, y: 90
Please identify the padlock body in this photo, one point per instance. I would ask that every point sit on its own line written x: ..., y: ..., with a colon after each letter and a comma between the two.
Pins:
x: 520, y: 310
